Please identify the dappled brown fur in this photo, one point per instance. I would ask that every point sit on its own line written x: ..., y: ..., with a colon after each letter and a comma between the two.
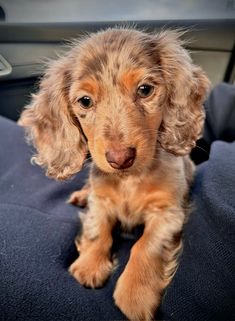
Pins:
x: 139, y: 145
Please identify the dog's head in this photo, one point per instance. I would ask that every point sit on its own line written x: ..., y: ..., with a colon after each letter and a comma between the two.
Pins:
x: 120, y: 94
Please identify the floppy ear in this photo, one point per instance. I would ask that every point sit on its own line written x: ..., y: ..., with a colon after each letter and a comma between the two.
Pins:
x: 187, y: 87
x: 51, y: 126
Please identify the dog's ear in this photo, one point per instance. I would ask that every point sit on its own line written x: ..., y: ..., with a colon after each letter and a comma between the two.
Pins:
x: 51, y: 127
x: 187, y: 87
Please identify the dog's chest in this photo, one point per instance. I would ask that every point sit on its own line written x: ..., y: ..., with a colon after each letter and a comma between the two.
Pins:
x: 129, y: 206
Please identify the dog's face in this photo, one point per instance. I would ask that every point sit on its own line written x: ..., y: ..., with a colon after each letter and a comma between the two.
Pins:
x: 121, y: 92
x: 118, y: 99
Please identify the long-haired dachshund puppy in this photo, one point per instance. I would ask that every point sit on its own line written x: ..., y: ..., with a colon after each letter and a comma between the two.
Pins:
x: 134, y: 101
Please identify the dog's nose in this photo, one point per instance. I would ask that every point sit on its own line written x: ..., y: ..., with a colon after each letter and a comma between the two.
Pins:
x: 121, y: 158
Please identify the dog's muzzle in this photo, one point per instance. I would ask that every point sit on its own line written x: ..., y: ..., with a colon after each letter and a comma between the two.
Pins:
x: 121, y: 158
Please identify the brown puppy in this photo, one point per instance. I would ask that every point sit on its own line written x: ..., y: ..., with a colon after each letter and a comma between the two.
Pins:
x: 134, y: 100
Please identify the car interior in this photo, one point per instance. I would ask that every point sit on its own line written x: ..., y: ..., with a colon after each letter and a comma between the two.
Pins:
x: 39, y: 227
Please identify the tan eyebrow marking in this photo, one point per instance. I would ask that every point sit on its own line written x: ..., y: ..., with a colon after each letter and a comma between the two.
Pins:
x: 130, y: 79
x: 90, y: 86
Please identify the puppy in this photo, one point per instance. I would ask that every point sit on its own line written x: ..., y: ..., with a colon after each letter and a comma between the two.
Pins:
x: 134, y: 101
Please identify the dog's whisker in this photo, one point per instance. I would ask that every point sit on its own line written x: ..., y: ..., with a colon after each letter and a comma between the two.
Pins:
x: 201, y: 148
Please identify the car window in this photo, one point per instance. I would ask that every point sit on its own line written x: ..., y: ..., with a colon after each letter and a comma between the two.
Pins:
x: 121, y: 10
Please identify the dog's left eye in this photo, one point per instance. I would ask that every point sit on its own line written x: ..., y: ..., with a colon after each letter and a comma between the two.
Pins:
x: 145, y: 91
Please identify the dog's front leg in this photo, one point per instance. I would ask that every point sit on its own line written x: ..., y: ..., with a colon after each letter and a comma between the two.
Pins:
x: 80, y: 198
x: 152, y: 263
x: 94, y: 264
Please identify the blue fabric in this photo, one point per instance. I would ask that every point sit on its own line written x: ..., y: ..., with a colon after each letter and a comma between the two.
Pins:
x: 220, y: 114
x: 37, y: 231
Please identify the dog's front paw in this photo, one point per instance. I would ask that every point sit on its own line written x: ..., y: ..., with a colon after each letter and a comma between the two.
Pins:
x: 135, y: 297
x: 91, y: 271
x: 79, y: 198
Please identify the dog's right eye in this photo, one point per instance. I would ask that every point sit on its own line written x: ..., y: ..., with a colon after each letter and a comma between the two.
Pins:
x: 86, y: 102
